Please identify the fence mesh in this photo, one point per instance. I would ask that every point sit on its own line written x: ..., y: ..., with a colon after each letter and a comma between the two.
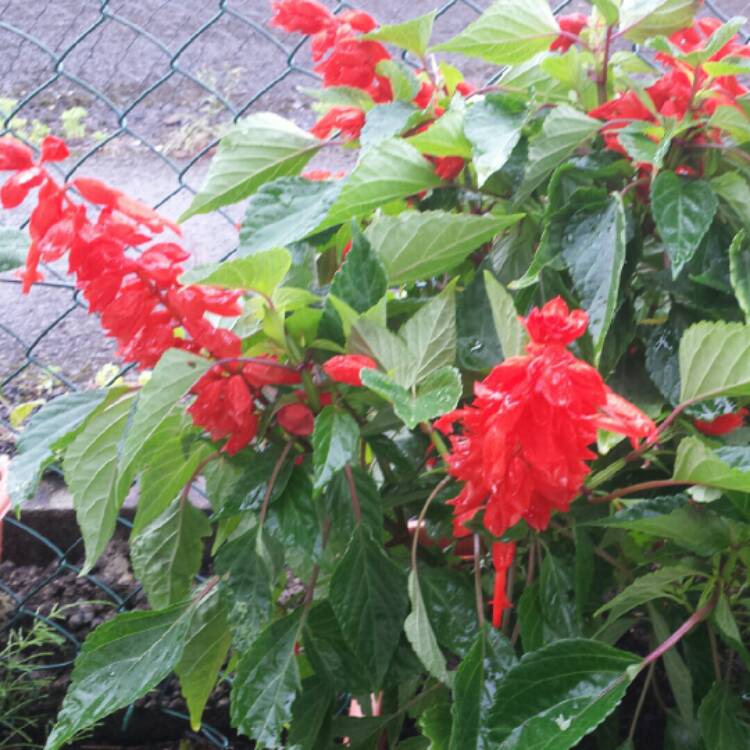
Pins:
x: 142, y: 90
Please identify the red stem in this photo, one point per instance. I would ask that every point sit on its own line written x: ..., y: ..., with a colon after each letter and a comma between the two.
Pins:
x: 640, y: 487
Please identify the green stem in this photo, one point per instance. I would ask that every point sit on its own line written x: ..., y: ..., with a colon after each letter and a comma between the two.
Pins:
x: 310, y: 390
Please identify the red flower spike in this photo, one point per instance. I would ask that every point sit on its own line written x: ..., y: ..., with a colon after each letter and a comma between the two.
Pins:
x: 502, y: 558
x: 296, y: 419
x: 572, y: 23
x: 424, y: 96
x: 259, y: 374
x: 352, y: 63
x: 347, y: 368
x: 722, y: 425
x: 465, y: 88
x: 53, y: 149
x: 448, y: 167
x: 358, y: 20
x: 523, y: 444
x: 14, y: 155
x: 349, y: 120
x: 13, y: 193
x: 302, y: 16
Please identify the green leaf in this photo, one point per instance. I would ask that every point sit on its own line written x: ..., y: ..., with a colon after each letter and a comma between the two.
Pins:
x: 657, y: 585
x: 444, y: 137
x: 261, y: 272
x: 368, y: 596
x: 167, y: 554
x: 696, y: 462
x: 683, y: 211
x: 477, y: 679
x: 206, y: 645
x: 247, y: 592
x: 285, y: 211
x: 404, y: 83
x: 641, y: 19
x: 493, y: 127
x: 436, y: 395
x: 719, y: 715
x: 412, y: 35
x: 563, y: 131
x: 418, y: 245
x: 557, y: 597
x: 335, y: 442
x: 311, y: 716
x: 557, y: 695
x: 507, y: 33
x: 734, y: 192
x: 385, y: 121
x: 714, y: 361
x: 739, y: 267
x: 266, y: 683
x: 636, y: 140
x: 119, y: 662
x: 609, y: 10
x: 421, y: 635
x: 256, y: 150
x: 430, y: 335
x: 510, y: 331
x: 478, y: 345
x: 174, y: 375
x: 726, y: 624
x: 91, y: 471
x: 594, y: 251
x: 392, y: 170
x: 730, y: 119
x: 52, y: 428
x: 14, y: 244
x: 385, y: 347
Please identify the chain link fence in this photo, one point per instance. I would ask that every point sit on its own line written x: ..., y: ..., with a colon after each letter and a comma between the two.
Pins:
x: 142, y: 90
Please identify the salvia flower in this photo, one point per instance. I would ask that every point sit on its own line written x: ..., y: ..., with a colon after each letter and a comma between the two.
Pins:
x: 572, y: 24
x: 523, y: 444
x: 723, y: 424
x: 347, y: 368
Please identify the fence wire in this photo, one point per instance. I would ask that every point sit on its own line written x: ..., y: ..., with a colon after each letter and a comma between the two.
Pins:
x: 142, y: 90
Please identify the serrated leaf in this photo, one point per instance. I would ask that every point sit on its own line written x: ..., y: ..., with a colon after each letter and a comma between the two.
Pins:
x: 266, y: 683
x: 726, y: 624
x: 734, y: 192
x: 430, y: 336
x: 206, y: 645
x: 739, y: 269
x: 421, y: 635
x: 437, y: 394
x: 384, y: 346
x: 285, y: 211
x: 563, y: 131
x: 385, y: 121
x: 412, y: 35
x: 730, y: 119
x: 404, y: 83
x: 657, y: 585
x: 256, y: 150
x: 493, y: 127
x: 720, y: 715
x: 176, y: 372
x: 335, y: 442
x: 683, y: 211
x: 14, y: 245
x: 510, y: 331
x: 696, y: 462
x: 386, y: 172
x: 557, y: 695
x: 167, y: 554
x: 368, y: 596
x: 507, y: 33
x: 594, y: 251
x: 119, y: 662
x: 641, y: 19
x: 311, y: 716
x: 97, y: 484
x: 417, y: 245
x: 261, y: 272
x: 53, y: 427
x: 609, y: 10
x: 477, y: 345
x: 714, y: 361
x: 444, y: 137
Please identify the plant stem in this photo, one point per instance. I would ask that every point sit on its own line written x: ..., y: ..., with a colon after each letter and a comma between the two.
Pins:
x: 602, y: 79
x: 310, y: 588
x: 641, y: 701
x: 478, y: 582
x: 641, y: 487
x: 420, y: 520
x: 714, y: 652
x: 356, y: 507
x: 435, y: 439
x: 698, y: 616
x: 271, y: 482
x: 198, y: 469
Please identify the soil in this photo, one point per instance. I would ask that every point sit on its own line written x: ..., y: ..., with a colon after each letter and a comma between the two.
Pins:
x: 76, y: 605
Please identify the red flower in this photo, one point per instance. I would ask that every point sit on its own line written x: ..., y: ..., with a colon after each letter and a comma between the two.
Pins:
x: 347, y: 368
x: 14, y: 155
x: 302, y: 16
x: 54, y: 149
x: 502, y: 558
x: 296, y: 419
x: 318, y: 175
x: 349, y: 120
x: 424, y: 95
x: 448, y: 167
x: 352, y: 63
x: 571, y: 23
x: 465, y: 88
x: 261, y: 374
x: 523, y: 447
x: 723, y: 424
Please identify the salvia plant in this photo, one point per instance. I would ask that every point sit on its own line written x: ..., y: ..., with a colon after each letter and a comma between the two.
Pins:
x: 469, y: 418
